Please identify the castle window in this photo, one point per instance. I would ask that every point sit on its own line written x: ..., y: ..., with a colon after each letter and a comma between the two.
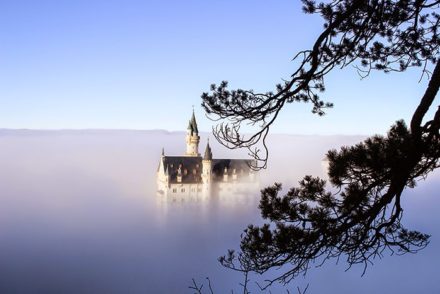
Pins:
x: 182, y: 190
x: 199, y: 190
x: 193, y: 189
x: 174, y: 190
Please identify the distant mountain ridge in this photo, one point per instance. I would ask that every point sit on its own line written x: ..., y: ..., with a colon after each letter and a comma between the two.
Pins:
x: 153, y: 131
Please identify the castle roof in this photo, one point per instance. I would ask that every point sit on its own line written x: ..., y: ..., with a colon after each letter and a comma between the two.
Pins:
x: 208, y: 152
x: 191, y: 168
x: 192, y: 125
x: 239, y: 167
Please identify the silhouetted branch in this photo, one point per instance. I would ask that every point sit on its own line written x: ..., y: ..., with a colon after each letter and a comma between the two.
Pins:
x: 384, y: 35
x: 197, y: 288
x: 209, y: 285
x: 309, y: 224
x: 303, y: 291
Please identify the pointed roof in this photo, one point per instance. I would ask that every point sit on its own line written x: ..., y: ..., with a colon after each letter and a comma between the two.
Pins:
x: 192, y: 125
x: 208, y: 152
x: 161, y: 167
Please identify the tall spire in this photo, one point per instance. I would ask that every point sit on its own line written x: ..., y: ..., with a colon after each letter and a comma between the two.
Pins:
x: 193, y: 123
x: 208, y: 152
x: 192, y: 137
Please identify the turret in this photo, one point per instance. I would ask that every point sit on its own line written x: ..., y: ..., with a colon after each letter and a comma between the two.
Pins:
x: 192, y: 137
x: 207, y: 168
x: 161, y: 167
x: 162, y: 174
x: 208, y: 152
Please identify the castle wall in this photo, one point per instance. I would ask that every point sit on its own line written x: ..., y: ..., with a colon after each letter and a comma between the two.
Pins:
x: 185, y: 192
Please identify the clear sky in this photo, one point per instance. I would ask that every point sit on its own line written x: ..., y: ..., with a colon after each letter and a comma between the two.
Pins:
x: 132, y: 64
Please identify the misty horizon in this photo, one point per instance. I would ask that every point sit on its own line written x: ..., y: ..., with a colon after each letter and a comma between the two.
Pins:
x: 208, y: 133
x: 80, y: 213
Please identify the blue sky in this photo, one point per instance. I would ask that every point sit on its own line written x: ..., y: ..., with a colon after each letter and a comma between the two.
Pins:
x: 143, y: 64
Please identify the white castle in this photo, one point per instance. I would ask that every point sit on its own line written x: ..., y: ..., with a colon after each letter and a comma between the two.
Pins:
x: 192, y: 176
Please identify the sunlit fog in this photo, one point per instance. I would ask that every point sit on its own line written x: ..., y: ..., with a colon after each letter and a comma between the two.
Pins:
x: 80, y: 213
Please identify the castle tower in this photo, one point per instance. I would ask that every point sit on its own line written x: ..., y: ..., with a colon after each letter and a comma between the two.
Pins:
x: 192, y: 138
x: 207, y: 168
x: 162, y: 173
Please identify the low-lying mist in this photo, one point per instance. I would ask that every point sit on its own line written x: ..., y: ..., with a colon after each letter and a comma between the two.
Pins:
x: 79, y: 213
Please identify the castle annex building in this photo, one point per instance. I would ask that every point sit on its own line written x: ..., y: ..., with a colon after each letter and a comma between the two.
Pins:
x: 193, y: 176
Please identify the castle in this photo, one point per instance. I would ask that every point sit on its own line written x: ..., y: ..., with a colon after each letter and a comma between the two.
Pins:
x: 192, y: 176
